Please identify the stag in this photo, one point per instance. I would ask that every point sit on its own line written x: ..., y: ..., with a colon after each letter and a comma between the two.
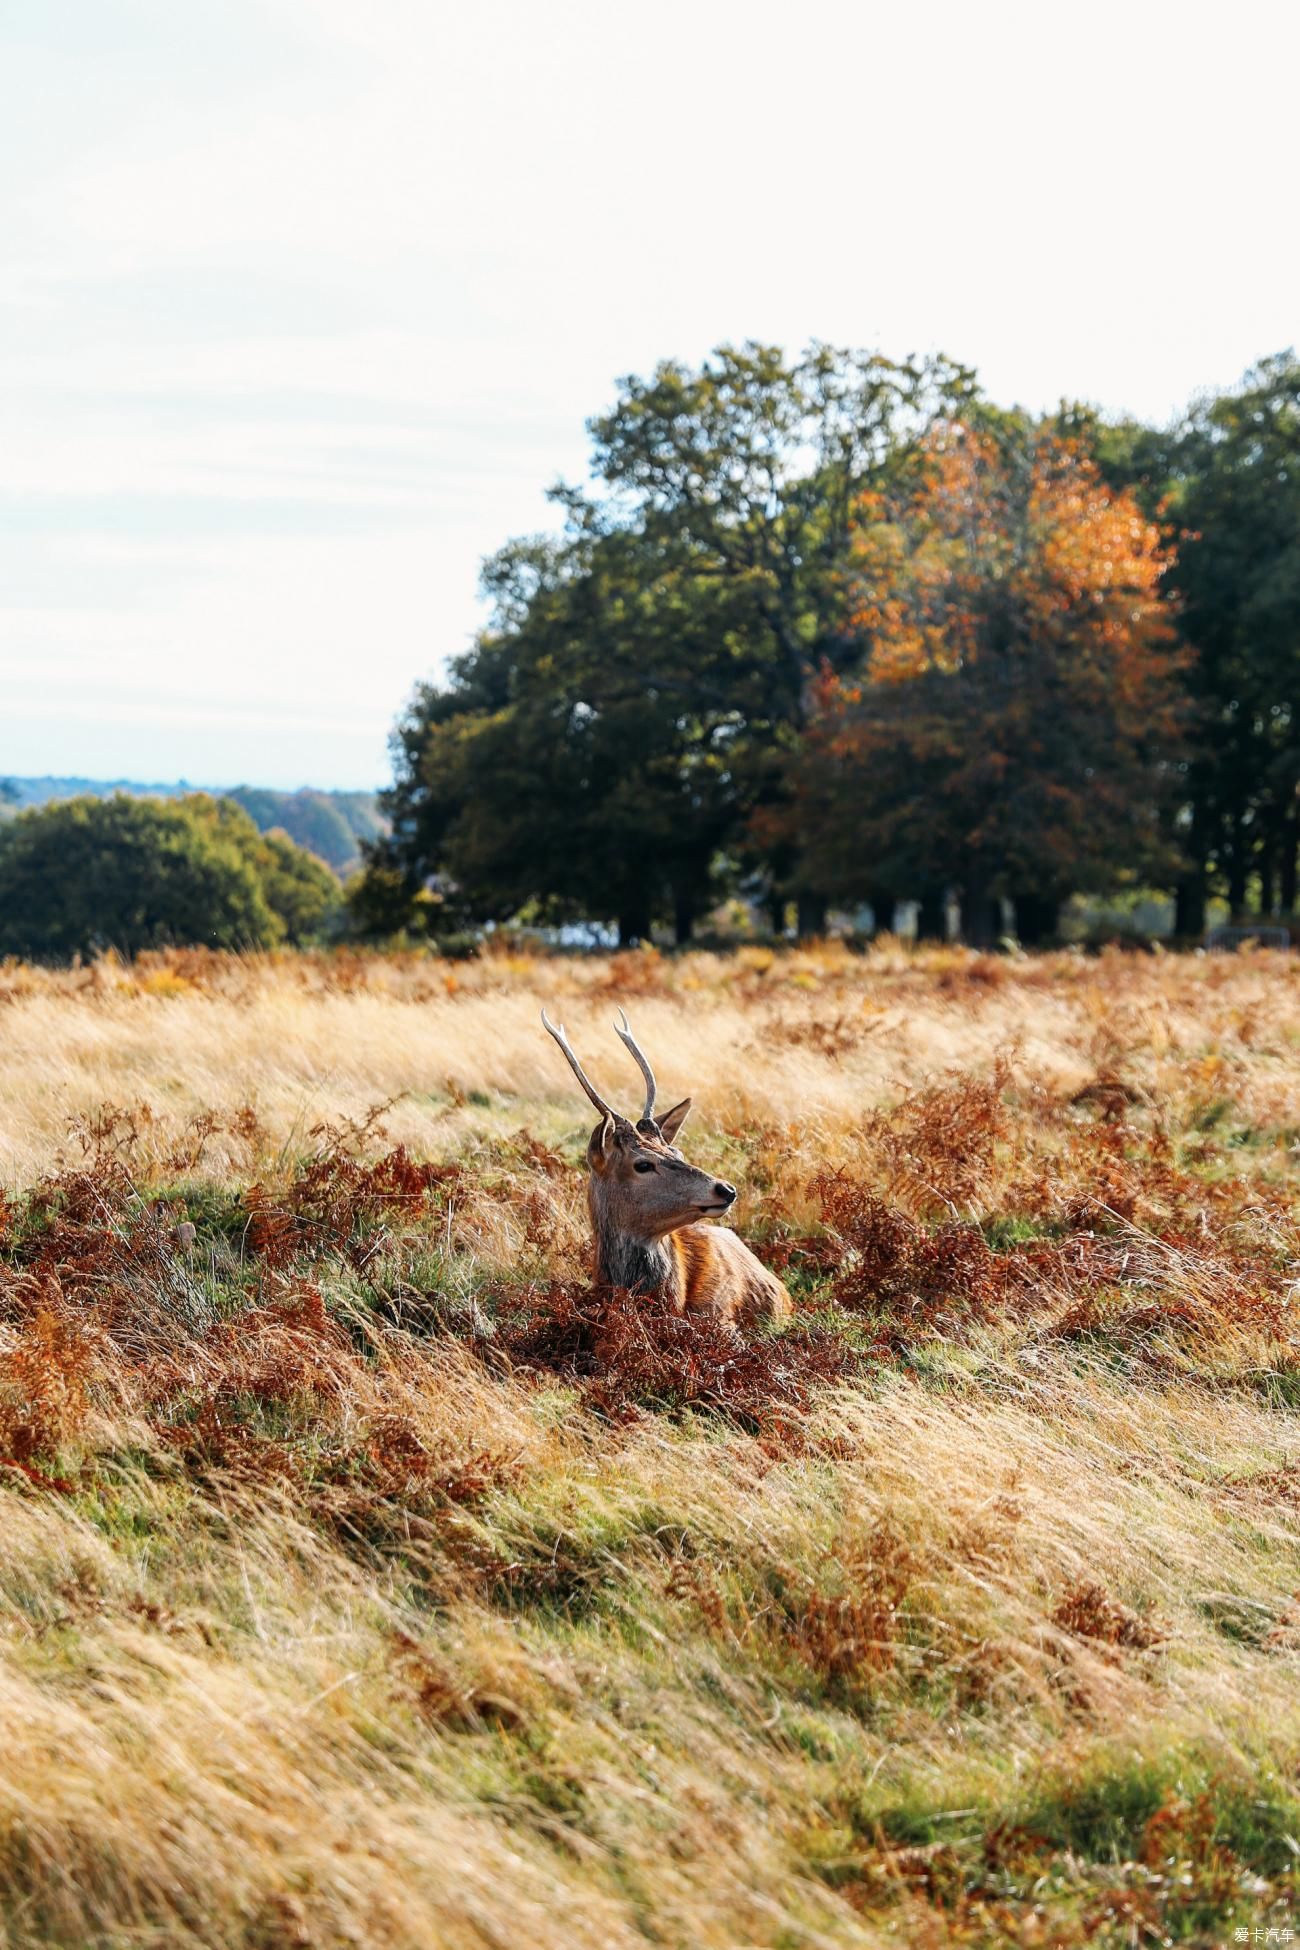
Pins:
x: 647, y: 1203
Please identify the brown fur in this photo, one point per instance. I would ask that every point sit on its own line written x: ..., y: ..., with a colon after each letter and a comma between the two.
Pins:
x: 648, y: 1233
x: 646, y: 1203
x: 717, y: 1271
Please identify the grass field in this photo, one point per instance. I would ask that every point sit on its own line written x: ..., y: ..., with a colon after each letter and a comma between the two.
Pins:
x: 368, y: 1580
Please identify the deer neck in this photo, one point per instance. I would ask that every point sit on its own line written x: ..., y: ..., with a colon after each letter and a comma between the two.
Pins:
x: 625, y: 1259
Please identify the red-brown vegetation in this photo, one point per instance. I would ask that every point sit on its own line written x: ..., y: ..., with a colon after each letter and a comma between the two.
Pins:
x: 337, y: 1492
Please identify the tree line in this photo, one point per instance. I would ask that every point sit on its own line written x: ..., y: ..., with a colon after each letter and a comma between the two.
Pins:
x: 835, y: 629
x: 330, y: 824
x: 81, y: 875
x: 822, y: 631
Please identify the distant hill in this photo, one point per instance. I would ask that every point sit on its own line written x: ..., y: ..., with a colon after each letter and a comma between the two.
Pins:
x: 329, y: 824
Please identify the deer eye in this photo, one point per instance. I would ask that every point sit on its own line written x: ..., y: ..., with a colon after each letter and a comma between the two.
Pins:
x: 643, y: 1164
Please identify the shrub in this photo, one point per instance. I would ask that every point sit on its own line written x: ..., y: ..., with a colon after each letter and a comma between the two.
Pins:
x: 133, y: 874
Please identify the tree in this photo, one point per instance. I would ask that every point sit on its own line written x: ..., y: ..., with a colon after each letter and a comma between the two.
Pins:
x: 80, y: 875
x: 303, y: 895
x: 1237, y: 578
x: 582, y: 759
x: 1228, y: 474
x: 299, y: 889
x: 755, y: 464
x: 645, y: 672
x: 1012, y: 725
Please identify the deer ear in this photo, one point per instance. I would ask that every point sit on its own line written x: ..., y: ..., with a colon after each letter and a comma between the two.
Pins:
x: 601, y: 1145
x: 672, y: 1120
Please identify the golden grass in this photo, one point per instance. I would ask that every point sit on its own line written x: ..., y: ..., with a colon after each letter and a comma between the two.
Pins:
x: 805, y: 1040
x: 323, y: 1622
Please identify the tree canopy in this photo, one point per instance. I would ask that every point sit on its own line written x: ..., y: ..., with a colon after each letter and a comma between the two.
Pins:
x: 1226, y: 477
x: 834, y: 627
x: 80, y: 875
x: 1012, y: 726
x: 1237, y: 581
x: 643, y: 674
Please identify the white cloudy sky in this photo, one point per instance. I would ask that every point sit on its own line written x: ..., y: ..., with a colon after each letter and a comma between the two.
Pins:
x: 305, y: 301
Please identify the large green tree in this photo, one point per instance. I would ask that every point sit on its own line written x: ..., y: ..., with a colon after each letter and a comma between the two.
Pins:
x: 303, y: 895
x: 80, y: 875
x: 600, y: 749
x: 1227, y: 476
x: 755, y: 463
x: 1237, y: 578
x: 586, y: 757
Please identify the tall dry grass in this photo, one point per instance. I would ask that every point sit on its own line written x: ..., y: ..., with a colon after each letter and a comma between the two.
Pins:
x: 357, y: 1589
x: 805, y: 1039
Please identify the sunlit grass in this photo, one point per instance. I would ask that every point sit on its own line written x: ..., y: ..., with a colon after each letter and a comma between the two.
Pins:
x: 366, y: 1580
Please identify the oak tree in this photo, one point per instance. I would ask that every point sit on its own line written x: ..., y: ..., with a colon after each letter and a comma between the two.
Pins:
x: 1013, y: 721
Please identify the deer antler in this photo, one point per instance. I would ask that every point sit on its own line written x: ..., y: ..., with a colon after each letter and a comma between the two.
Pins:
x: 625, y: 1035
x: 552, y: 1029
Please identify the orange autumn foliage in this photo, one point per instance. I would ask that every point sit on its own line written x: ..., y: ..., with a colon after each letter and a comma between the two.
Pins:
x: 1041, y: 531
x: 1016, y: 710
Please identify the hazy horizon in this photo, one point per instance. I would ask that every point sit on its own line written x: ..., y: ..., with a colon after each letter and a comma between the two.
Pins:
x: 181, y: 783
x: 307, y: 304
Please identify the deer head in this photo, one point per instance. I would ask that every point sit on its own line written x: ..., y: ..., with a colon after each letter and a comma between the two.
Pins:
x: 641, y: 1186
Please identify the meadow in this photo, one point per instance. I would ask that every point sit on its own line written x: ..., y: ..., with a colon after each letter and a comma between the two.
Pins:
x: 368, y: 1579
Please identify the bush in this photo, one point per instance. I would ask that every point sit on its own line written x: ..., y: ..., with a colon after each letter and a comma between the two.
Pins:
x: 88, y: 874
x: 301, y: 892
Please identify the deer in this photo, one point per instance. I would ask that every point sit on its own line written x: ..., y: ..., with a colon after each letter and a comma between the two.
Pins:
x: 648, y: 1205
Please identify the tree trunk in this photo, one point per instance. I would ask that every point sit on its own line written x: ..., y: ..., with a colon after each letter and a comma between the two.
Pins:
x: 1287, y: 875
x: 1238, y: 869
x: 932, y: 915
x: 683, y: 915
x: 1191, y: 891
x: 633, y: 920
x: 1267, y: 880
x: 776, y: 907
x: 1038, y: 919
x: 811, y: 919
x: 882, y: 910
x: 981, y: 916
x: 1189, y: 906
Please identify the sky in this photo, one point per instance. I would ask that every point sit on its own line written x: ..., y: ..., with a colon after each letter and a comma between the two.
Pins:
x: 305, y: 302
